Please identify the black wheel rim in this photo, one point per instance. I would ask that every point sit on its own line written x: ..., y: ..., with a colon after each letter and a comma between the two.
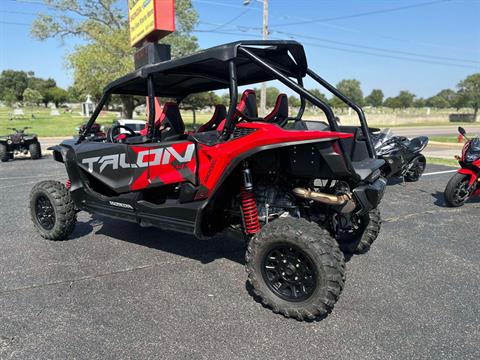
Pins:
x: 417, y: 169
x: 45, y: 212
x: 289, y: 273
x: 462, y: 191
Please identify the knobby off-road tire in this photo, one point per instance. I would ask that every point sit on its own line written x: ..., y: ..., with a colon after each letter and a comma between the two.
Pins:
x: 360, y: 242
x: 318, y: 254
x: 52, y: 210
x: 35, y: 150
x: 4, y: 155
x: 454, y: 194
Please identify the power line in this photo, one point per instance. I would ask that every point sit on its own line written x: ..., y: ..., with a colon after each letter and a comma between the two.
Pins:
x: 378, y: 48
x: 366, y: 47
x: 233, y: 19
x: 403, y: 58
x: 368, y: 13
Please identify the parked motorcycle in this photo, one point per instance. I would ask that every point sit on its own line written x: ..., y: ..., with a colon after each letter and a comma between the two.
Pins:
x: 19, y: 143
x: 402, y: 156
x: 465, y: 183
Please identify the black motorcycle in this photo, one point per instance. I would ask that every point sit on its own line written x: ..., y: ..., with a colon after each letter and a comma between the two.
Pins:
x: 19, y: 143
x: 402, y: 156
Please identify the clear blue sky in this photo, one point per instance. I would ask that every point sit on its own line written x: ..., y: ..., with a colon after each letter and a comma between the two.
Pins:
x: 424, y: 47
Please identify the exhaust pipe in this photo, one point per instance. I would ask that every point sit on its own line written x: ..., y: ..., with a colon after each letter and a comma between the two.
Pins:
x: 337, y: 200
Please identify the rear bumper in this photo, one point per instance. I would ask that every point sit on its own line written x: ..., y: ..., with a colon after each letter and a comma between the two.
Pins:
x: 368, y: 196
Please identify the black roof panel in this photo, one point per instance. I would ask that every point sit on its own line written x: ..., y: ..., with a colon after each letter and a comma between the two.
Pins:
x: 207, y: 70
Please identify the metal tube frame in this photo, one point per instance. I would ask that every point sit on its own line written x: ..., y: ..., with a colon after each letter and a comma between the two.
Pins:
x: 294, y: 86
x: 349, y: 102
x: 151, y: 108
x: 93, y: 117
x: 233, y: 89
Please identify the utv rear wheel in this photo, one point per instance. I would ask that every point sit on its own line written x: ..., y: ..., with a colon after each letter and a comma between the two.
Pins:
x: 296, y: 268
x: 52, y: 210
x: 4, y: 155
x: 35, y: 150
x: 457, y: 190
x: 361, y: 239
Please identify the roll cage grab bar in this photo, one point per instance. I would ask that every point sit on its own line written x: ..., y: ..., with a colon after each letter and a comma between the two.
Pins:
x: 233, y: 90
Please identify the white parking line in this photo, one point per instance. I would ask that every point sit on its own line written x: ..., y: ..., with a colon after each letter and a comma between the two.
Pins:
x: 440, y: 172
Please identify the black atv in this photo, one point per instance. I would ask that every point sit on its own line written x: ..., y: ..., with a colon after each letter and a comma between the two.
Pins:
x: 300, y: 191
x: 19, y: 143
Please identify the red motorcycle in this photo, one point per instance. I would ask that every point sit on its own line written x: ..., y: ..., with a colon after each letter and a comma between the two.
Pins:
x: 466, y: 182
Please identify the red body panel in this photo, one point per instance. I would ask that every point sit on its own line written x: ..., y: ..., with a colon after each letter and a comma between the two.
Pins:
x: 468, y: 172
x: 213, y: 161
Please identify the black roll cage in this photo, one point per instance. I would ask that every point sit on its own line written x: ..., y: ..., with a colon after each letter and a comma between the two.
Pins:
x: 275, y: 71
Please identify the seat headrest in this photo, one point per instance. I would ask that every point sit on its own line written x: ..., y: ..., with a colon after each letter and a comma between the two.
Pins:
x: 280, y: 111
x: 248, y: 103
x: 171, y: 114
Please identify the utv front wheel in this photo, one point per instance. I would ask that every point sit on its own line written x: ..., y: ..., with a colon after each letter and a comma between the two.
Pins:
x: 52, y: 210
x: 35, y: 150
x: 4, y: 155
x: 296, y: 268
x: 360, y: 239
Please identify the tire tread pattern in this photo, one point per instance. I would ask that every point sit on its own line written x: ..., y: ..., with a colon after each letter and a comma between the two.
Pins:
x: 65, y: 214
x: 321, y: 246
x: 35, y: 150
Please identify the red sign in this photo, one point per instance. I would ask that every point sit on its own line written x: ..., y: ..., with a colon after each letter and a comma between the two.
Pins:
x: 150, y: 20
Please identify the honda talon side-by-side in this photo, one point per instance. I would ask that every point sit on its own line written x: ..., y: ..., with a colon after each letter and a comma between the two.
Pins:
x: 19, y: 143
x: 303, y: 193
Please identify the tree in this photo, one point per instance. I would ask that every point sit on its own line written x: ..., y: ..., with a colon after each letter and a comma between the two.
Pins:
x: 294, y: 101
x: 392, y: 102
x: 419, y: 103
x: 107, y: 53
x: 317, y: 93
x: 57, y: 95
x: 469, y: 92
x: 352, y: 89
x: 9, y: 97
x: 375, y: 98
x: 13, y: 82
x: 199, y: 101
x: 32, y: 96
x: 43, y: 87
x: 74, y: 95
x: 405, y: 99
x: 444, y: 99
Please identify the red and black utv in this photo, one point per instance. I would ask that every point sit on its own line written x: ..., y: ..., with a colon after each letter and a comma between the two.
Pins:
x: 302, y: 192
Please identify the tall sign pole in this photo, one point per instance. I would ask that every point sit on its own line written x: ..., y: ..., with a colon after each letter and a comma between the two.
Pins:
x: 263, y: 92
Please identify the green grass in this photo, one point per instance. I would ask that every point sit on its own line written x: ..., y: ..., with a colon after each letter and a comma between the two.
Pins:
x: 441, y: 161
x: 444, y: 139
x: 45, y: 125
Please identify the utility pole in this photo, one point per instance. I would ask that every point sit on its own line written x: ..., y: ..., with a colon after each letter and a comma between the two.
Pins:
x: 263, y: 91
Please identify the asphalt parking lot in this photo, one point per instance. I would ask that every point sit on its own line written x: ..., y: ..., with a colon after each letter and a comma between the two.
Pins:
x: 118, y: 291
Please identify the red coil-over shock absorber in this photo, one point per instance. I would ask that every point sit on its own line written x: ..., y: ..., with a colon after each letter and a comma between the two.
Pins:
x: 68, y: 184
x: 249, y: 205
